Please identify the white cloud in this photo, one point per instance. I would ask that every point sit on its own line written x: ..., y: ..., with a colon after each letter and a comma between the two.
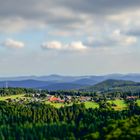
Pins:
x: 130, y: 40
x: 122, y: 39
x: 111, y: 39
x: 52, y: 45
x: 79, y: 46
x: 10, y: 43
x: 18, y: 24
x: 56, y: 45
x: 74, y: 20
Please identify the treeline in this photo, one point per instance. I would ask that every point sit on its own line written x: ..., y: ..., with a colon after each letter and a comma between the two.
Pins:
x: 36, y: 121
x: 28, y: 91
x: 15, y: 91
x: 112, y: 86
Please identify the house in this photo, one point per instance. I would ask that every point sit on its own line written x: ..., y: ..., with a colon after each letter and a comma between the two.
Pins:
x: 84, y: 99
x: 131, y: 97
x: 36, y: 95
x: 55, y: 99
x: 68, y: 99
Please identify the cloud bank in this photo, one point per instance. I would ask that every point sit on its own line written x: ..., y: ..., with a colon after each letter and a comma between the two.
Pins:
x: 10, y: 43
x: 56, y: 45
x: 108, y: 31
x: 81, y: 18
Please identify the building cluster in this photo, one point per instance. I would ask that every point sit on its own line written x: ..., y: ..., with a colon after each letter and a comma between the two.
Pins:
x: 37, y: 97
x: 50, y: 98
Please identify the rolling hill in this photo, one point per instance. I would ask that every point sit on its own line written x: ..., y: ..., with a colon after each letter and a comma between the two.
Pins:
x: 114, y: 86
x: 57, y: 82
x: 62, y: 86
x: 50, y: 85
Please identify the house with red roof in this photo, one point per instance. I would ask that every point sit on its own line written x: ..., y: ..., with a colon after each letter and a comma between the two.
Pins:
x: 55, y: 99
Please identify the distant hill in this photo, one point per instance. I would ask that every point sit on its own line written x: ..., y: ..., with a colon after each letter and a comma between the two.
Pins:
x: 24, y: 83
x: 41, y: 85
x: 56, y: 78
x: 56, y: 82
x: 86, y: 81
x: 90, y: 79
x: 113, y: 85
x: 62, y: 86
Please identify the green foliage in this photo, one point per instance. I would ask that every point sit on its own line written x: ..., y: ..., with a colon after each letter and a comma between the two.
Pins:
x: 15, y: 91
x: 39, y: 121
x: 116, y: 87
x: 92, y: 136
x: 123, y: 129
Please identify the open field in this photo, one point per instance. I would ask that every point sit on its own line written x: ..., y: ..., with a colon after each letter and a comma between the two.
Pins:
x: 138, y: 101
x: 120, y: 104
x: 91, y: 105
x: 87, y: 104
x: 57, y: 105
x: 20, y: 96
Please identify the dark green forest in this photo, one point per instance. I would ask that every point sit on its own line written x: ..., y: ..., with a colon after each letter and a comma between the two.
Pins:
x: 36, y: 121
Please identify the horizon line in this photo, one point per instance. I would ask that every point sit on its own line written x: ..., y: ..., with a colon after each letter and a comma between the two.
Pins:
x: 65, y: 75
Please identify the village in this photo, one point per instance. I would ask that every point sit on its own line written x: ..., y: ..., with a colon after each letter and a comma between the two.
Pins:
x: 49, y: 98
x: 62, y: 100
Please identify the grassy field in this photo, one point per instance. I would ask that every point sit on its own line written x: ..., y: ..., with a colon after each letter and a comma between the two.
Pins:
x: 57, y: 105
x: 120, y: 104
x: 87, y: 104
x: 12, y: 97
x: 138, y: 101
x: 91, y: 105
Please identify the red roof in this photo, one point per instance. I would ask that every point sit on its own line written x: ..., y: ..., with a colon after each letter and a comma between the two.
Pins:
x: 54, y: 99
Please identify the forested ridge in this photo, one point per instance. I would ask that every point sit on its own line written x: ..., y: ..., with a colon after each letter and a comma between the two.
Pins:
x: 110, y: 86
x: 36, y: 121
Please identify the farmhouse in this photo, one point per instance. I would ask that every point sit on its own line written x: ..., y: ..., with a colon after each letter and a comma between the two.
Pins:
x: 131, y: 97
x: 84, y: 99
x: 55, y: 99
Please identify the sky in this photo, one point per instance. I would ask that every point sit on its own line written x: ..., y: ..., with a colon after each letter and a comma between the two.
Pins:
x: 69, y: 37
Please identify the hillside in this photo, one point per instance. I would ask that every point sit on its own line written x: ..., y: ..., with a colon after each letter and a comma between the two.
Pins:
x: 113, y: 86
x: 93, y: 83
x: 88, y: 79
x: 24, y: 83
x: 62, y: 86
x: 49, y: 85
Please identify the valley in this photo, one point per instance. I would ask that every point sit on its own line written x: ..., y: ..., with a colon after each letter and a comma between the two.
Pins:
x: 91, y: 112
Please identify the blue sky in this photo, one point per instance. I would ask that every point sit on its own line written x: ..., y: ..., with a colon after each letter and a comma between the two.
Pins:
x: 68, y: 37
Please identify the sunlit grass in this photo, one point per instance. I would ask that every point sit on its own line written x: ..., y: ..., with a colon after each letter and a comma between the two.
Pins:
x: 19, y: 96
x: 87, y: 104
x: 138, y: 101
x: 57, y: 105
x: 120, y: 104
x: 91, y: 105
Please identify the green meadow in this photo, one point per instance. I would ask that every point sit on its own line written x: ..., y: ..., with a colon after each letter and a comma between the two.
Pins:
x: 120, y: 104
x: 19, y: 96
